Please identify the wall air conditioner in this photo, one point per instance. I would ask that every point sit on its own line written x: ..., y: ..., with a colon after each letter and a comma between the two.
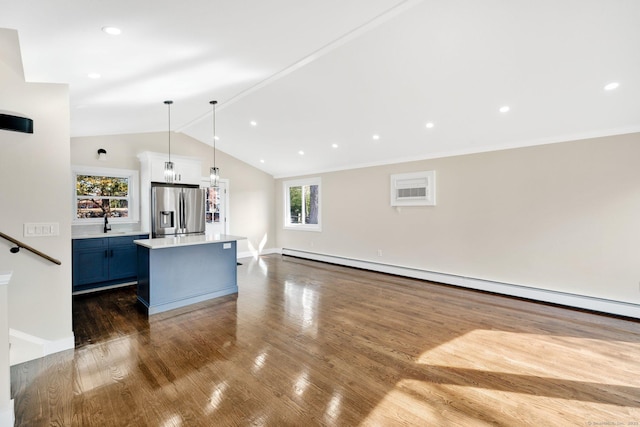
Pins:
x: 413, y: 189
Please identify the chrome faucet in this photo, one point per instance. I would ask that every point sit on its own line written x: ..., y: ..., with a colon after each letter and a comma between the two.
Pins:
x: 107, y: 227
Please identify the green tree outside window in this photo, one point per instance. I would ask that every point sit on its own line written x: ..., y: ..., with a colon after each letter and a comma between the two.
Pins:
x: 100, y: 196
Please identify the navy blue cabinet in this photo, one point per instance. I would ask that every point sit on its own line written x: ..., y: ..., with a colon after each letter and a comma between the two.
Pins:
x: 90, y: 261
x: 104, y: 261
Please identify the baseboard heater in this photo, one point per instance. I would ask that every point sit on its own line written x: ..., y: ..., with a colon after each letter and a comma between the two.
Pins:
x: 618, y: 308
x: 9, y: 121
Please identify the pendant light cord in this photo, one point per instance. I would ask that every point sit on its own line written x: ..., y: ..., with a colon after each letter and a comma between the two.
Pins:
x: 169, y: 131
x: 213, y: 103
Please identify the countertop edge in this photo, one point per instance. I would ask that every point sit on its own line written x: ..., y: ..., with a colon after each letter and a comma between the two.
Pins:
x: 174, y: 242
x: 101, y: 235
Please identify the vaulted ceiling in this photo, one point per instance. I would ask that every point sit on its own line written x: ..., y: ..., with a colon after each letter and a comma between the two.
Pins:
x: 324, y: 77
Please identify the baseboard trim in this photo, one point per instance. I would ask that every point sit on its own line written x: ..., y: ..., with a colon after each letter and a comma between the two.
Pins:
x: 161, y: 308
x: 63, y: 344
x: 104, y: 288
x: 619, y: 308
x: 47, y: 346
x: 249, y: 254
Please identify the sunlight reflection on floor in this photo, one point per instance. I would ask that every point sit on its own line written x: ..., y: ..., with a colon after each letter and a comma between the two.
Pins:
x: 401, y: 406
x: 523, y: 353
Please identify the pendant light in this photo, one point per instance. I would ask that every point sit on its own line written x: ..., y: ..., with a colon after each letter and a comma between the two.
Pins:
x: 169, y: 172
x: 214, y: 172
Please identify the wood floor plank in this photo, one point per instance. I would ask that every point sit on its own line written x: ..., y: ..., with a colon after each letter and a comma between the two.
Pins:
x: 307, y: 343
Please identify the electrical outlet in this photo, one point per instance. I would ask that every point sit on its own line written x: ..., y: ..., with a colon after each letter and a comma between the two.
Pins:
x: 379, y: 252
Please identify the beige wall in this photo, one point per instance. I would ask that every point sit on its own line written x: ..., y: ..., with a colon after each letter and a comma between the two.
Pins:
x: 563, y: 217
x: 251, y: 202
x: 34, y: 187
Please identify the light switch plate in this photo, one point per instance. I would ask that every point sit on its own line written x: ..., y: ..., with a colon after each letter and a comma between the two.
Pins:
x: 41, y: 229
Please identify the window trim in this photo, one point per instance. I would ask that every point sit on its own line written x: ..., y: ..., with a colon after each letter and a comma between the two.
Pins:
x: 286, y: 185
x: 133, y: 199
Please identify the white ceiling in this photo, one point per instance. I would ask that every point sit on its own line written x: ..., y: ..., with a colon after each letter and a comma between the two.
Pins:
x: 317, y: 73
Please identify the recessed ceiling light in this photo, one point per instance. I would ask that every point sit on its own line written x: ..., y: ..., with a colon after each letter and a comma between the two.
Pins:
x: 254, y: 123
x: 301, y: 152
x: 376, y: 137
x: 94, y: 75
x: 261, y: 160
x: 504, y: 109
x: 334, y: 145
x: 429, y: 125
x: 112, y: 31
x: 217, y: 138
x: 612, y: 86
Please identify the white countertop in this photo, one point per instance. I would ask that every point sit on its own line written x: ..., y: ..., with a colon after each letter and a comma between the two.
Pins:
x: 190, y: 240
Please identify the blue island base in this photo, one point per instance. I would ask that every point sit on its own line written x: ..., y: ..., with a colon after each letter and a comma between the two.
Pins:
x: 174, y: 277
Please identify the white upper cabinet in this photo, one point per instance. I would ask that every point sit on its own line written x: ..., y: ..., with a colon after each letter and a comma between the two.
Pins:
x: 187, y: 169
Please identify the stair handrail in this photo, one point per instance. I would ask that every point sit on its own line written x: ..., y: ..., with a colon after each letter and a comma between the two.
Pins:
x: 22, y: 245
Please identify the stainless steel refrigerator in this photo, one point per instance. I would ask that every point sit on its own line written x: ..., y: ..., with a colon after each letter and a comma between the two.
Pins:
x: 176, y: 210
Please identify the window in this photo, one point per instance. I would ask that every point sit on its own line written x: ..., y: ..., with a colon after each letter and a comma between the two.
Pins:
x: 104, y: 192
x: 302, y: 204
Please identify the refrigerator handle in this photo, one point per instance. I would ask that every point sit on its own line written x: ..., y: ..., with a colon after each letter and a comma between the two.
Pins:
x: 182, y: 211
x: 179, y: 212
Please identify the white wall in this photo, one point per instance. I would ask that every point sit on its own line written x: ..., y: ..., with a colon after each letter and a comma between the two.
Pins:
x: 34, y: 187
x: 562, y: 217
x: 251, y: 202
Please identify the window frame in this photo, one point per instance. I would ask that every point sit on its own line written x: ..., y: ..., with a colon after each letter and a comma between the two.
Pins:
x: 286, y: 185
x: 133, y: 199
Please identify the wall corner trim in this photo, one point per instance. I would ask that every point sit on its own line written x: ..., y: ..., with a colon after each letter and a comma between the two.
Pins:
x: 7, y: 415
x: 619, y: 308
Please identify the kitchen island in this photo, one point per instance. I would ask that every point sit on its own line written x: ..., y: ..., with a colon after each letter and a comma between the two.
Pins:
x: 178, y: 271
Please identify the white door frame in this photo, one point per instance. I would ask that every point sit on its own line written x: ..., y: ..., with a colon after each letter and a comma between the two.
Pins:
x: 224, y: 199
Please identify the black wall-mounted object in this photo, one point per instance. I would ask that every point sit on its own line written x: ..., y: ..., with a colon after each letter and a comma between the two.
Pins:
x: 16, y: 123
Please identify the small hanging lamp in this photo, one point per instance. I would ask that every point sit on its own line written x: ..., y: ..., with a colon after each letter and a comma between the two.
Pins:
x: 214, y: 172
x: 169, y: 172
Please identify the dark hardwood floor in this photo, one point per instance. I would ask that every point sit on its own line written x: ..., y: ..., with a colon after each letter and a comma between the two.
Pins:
x: 307, y: 343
